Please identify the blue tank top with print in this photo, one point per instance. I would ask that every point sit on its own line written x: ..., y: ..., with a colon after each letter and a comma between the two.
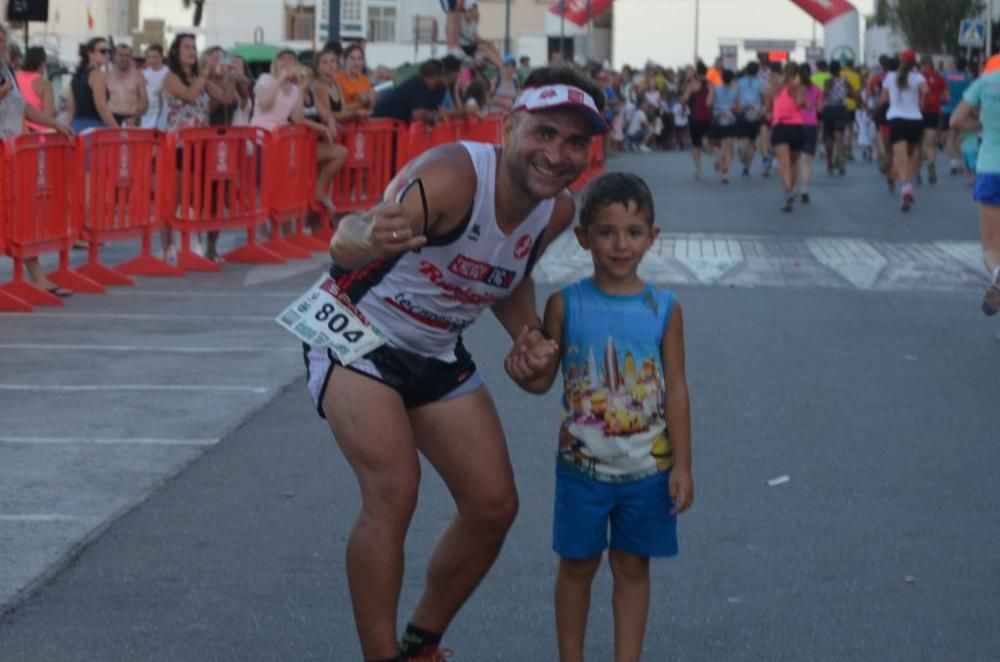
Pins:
x: 614, y: 398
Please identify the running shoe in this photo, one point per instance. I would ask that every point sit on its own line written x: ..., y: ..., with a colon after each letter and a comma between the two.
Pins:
x: 906, y: 197
x: 931, y: 173
x: 891, y: 183
x: 789, y: 203
x: 991, y: 298
x: 436, y: 655
x: 746, y: 172
x: 805, y: 197
x: 645, y: 148
x: 842, y: 170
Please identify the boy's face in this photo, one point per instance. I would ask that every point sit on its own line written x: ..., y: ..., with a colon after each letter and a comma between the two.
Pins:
x: 617, y: 238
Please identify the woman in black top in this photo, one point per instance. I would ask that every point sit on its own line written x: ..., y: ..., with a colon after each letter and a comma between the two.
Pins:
x: 89, y: 99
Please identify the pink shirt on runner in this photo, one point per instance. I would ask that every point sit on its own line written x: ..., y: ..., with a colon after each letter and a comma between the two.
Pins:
x: 786, y: 111
x: 813, y: 100
x: 284, y: 103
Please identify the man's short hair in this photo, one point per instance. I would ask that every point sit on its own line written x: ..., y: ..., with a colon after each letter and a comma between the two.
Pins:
x: 611, y: 188
x: 123, y: 47
x: 450, y: 64
x: 430, y: 68
x: 156, y: 48
x: 566, y: 76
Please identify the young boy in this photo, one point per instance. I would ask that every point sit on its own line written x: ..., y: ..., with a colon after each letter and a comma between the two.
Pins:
x: 624, y: 455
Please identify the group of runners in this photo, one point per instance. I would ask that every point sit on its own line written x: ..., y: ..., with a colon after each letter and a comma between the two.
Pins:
x: 896, y: 114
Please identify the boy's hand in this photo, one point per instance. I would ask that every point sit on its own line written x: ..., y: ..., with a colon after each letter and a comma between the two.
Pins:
x: 531, y: 356
x: 681, y: 490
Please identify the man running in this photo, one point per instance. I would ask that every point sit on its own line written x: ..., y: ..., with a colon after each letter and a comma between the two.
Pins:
x: 937, y: 95
x: 958, y: 80
x: 421, y: 270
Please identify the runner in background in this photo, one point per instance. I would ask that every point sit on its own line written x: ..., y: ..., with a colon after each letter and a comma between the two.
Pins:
x: 751, y: 100
x: 724, y: 102
x: 853, y: 78
x: 904, y: 91
x: 958, y: 80
x: 787, y: 129
x: 695, y: 96
x: 937, y: 95
x: 812, y: 101
x: 982, y: 96
x: 836, y: 91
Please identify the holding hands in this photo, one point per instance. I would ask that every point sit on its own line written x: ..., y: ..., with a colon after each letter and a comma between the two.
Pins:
x: 531, y: 357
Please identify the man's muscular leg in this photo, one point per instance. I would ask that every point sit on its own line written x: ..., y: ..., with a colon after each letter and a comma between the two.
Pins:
x: 464, y: 441
x: 383, y: 456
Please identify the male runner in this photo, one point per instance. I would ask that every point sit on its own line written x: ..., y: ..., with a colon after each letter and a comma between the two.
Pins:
x: 422, y: 274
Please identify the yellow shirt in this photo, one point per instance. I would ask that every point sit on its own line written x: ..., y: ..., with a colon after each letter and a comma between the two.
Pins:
x: 854, y: 80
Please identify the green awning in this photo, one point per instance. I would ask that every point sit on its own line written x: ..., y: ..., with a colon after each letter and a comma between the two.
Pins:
x: 256, y: 53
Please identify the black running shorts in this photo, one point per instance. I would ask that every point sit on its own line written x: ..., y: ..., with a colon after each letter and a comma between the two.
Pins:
x: 908, y: 131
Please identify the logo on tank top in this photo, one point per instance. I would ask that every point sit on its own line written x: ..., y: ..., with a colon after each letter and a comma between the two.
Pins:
x: 481, y: 272
x: 474, y: 232
x: 523, y: 246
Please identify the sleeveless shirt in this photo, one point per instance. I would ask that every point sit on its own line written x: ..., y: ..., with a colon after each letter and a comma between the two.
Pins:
x: 423, y: 300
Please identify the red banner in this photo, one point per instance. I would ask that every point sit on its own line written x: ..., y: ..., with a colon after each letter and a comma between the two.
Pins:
x: 825, y: 11
x: 578, y: 11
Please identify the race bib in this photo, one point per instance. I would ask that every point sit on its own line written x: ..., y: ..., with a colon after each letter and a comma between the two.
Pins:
x: 752, y: 114
x: 325, y: 317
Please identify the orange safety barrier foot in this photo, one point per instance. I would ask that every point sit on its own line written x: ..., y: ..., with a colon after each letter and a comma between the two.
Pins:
x: 101, y: 273
x: 309, y: 242
x: 71, y: 280
x: 31, y: 294
x: 11, y: 304
x: 104, y: 275
x: 147, y: 265
x: 188, y: 260
x: 285, y: 248
x: 254, y: 253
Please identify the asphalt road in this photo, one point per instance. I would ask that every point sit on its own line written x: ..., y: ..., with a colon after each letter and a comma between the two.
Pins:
x: 878, y: 402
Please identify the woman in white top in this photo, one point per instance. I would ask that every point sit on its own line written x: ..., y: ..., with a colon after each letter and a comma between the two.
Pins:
x: 904, y: 91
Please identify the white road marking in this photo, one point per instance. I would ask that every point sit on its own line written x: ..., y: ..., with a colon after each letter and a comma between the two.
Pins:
x: 73, y: 388
x: 147, y: 348
x: 191, y: 294
x: 101, y: 441
x: 753, y: 261
x: 41, y: 517
x: 279, y: 272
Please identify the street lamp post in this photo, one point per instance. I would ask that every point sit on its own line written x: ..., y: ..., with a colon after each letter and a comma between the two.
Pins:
x: 506, y: 34
x: 697, y: 12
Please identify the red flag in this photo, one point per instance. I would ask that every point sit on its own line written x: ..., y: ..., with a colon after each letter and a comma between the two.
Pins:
x: 825, y: 11
x: 576, y: 10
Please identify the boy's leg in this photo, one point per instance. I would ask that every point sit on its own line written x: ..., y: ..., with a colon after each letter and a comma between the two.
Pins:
x: 573, y: 605
x: 630, y: 602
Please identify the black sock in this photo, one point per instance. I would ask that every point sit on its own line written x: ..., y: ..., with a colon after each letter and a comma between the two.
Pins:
x: 416, y: 639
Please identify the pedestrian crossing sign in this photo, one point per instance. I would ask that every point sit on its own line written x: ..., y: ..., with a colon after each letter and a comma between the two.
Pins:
x: 972, y: 33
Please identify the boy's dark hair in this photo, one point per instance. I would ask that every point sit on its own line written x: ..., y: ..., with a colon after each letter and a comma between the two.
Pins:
x: 430, y: 69
x: 450, y: 64
x: 565, y: 76
x: 616, y: 188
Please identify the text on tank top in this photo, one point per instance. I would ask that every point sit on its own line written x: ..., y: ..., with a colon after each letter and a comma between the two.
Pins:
x: 423, y: 301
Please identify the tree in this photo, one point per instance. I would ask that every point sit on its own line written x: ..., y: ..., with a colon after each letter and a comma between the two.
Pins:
x: 931, y: 26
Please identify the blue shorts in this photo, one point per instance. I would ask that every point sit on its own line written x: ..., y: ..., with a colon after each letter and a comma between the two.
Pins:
x: 638, y: 512
x: 987, y: 190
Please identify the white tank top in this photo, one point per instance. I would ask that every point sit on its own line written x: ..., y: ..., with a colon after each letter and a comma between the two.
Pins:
x: 423, y: 301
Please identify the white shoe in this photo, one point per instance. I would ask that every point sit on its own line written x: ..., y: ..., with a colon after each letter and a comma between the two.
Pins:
x: 170, y: 255
x: 196, y: 246
x: 644, y: 148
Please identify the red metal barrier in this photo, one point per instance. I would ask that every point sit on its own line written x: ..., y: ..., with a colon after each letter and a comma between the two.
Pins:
x: 595, y: 164
x: 119, y: 202
x: 46, y: 185
x: 8, y: 302
x: 422, y: 137
x: 374, y: 155
x: 487, y: 129
x: 289, y: 187
x: 215, y: 188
